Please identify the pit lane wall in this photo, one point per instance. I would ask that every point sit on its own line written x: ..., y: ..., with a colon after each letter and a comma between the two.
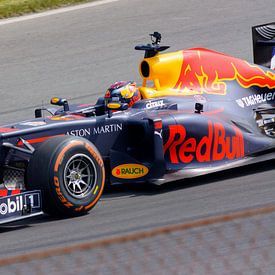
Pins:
x: 237, y: 243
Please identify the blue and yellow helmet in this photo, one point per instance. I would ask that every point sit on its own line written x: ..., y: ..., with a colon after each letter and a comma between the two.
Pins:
x: 124, y: 92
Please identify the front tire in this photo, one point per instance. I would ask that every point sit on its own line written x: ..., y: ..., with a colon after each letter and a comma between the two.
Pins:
x: 69, y: 171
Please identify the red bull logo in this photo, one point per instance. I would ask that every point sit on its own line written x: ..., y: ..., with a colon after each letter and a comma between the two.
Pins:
x: 216, y: 145
x: 206, y: 71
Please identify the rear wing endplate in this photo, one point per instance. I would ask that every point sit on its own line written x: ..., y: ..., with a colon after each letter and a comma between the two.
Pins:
x: 264, y: 45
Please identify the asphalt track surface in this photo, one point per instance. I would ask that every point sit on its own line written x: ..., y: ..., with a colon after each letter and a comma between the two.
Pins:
x: 77, y: 55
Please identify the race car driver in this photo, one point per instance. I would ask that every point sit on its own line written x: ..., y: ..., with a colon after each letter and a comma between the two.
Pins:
x: 124, y: 92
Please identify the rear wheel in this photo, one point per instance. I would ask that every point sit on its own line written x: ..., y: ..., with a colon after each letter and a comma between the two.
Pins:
x: 69, y: 171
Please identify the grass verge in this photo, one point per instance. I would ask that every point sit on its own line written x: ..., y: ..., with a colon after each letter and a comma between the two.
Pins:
x: 9, y: 8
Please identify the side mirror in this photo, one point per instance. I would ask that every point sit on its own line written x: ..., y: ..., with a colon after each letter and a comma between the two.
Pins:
x: 60, y: 102
x: 38, y: 113
x: 117, y: 106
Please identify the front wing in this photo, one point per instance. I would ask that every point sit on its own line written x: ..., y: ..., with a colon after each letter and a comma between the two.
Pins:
x: 19, y: 206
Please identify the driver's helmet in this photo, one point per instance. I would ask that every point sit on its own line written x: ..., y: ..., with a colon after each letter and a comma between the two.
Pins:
x: 124, y: 92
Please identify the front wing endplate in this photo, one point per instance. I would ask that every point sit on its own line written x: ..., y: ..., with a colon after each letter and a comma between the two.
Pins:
x: 20, y: 206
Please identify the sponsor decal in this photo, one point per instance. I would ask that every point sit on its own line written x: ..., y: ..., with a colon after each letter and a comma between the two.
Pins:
x: 59, y: 193
x: 206, y: 72
x: 158, y: 128
x: 154, y: 104
x: 158, y: 133
x: 130, y: 171
x: 240, y: 103
x: 79, y: 132
x: 15, y: 204
x: 96, y: 156
x: 33, y: 123
x: 216, y: 145
x: 105, y: 129
x: 12, y: 204
x: 255, y: 99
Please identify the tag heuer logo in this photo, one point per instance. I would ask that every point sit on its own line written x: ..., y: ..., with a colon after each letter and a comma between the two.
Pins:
x: 240, y: 103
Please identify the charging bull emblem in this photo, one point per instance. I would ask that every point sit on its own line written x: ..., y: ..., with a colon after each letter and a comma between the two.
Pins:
x: 205, y: 71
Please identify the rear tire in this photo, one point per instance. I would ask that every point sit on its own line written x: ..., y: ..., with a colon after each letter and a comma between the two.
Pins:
x: 69, y: 171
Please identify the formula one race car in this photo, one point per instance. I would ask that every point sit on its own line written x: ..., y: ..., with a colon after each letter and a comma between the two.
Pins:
x: 197, y: 111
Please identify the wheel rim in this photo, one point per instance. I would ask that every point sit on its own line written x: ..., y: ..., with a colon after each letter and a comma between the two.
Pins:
x: 80, y: 176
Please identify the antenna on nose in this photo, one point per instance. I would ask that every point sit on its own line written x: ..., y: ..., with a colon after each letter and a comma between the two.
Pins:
x: 154, y: 48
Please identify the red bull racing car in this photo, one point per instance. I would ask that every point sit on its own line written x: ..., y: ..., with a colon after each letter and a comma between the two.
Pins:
x: 197, y: 111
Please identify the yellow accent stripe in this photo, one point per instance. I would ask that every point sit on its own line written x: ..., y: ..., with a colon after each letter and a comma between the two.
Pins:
x: 95, y: 190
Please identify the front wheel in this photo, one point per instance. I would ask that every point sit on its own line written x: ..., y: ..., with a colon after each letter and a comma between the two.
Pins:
x: 69, y: 171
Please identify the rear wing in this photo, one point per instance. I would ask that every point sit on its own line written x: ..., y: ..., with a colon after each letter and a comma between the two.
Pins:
x: 264, y: 45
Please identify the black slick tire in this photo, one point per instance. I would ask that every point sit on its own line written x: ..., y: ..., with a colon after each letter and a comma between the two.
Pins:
x: 69, y: 171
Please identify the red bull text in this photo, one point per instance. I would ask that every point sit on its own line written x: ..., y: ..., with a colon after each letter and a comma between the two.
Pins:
x: 216, y: 145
